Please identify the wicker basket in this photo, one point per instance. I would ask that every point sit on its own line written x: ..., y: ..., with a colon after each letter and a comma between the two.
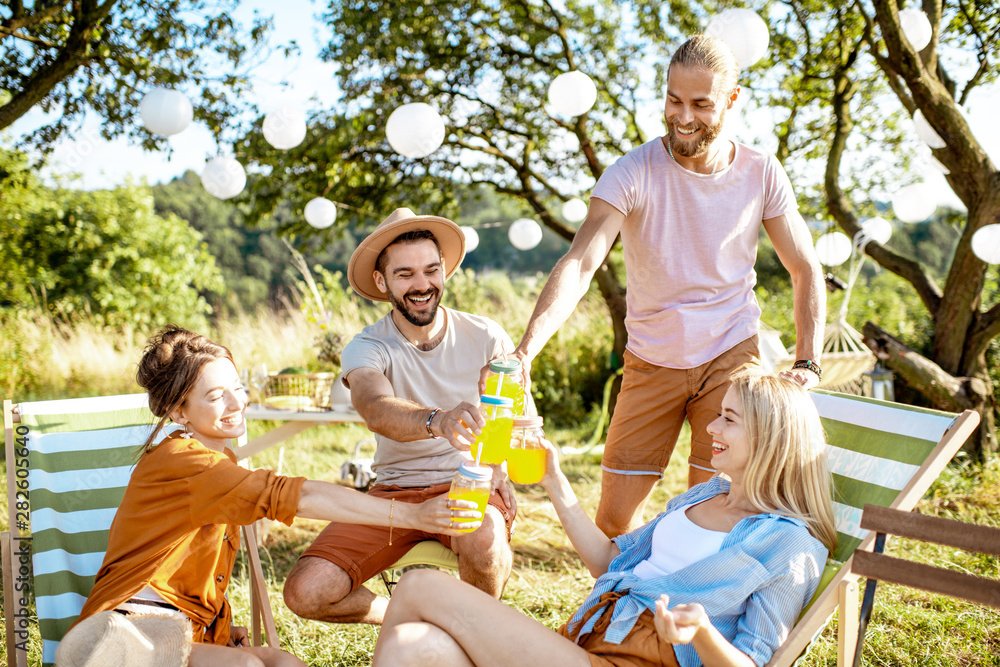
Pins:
x: 303, y: 392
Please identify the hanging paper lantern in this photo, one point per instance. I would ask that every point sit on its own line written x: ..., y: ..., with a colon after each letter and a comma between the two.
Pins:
x: 471, y: 238
x: 743, y: 31
x: 927, y: 133
x: 986, y: 244
x: 877, y: 229
x: 224, y: 177
x: 165, y: 111
x: 937, y: 165
x: 833, y: 249
x: 916, y: 28
x: 572, y: 93
x: 912, y: 203
x: 574, y: 210
x: 524, y: 234
x: 284, y: 128
x: 321, y: 212
x: 415, y: 130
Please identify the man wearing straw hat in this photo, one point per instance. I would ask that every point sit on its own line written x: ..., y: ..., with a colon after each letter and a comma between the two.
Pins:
x: 414, y: 377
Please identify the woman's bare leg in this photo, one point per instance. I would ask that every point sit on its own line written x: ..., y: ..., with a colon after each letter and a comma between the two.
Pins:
x: 212, y: 655
x: 469, y: 628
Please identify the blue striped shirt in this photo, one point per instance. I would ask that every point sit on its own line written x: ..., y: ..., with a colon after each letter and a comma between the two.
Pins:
x: 753, y: 589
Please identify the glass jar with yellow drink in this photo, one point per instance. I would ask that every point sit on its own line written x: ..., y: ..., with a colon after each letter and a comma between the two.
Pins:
x: 471, y: 482
x: 492, y: 444
x: 505, y: 379
x: 526, y: 458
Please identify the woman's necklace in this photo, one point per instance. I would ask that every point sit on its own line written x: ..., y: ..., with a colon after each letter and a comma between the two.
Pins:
x: 670, y: 149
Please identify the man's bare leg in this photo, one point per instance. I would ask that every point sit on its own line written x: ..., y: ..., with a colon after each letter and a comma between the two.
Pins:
x: 623, y: 499
x: 319, y: 590
x: 484, y: 556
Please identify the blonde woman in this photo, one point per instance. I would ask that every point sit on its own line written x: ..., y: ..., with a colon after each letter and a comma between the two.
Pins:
x: 718, y: 578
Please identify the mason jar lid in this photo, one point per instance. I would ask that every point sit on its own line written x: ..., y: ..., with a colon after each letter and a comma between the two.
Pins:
x: 528, y: 422
x: 499, y: 401
x: 507, y: 367
x: 470, y: 470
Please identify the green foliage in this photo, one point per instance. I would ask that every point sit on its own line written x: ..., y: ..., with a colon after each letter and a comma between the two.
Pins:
x: 71, y: 58
x: 104, y: 256
x: 253, y: 263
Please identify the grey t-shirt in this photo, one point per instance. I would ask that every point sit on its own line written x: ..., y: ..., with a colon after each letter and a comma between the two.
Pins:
x: 442, y: 377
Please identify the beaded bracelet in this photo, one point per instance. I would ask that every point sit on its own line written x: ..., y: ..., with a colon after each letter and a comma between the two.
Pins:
x: 809, y: 365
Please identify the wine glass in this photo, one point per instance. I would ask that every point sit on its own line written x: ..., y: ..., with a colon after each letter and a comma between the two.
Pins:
x: 259, y: 380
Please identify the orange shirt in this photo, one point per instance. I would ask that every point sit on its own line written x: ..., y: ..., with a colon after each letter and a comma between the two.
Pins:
x: 177, y: 531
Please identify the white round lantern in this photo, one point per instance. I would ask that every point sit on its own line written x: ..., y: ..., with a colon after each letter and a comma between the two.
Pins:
x: 877, y: 229
x: 224, y: 177
x: 912, y: 203
x: 165, y: 111
x: 927, y: 133
x: 572, y: 93
x: 284, y: 128
x: 916, y: 28
x: 471, y: 238
x: 321, y: 212
x: 833, y: 249
x: 743, y: 31
x: 524, y: 234
x: 575, y: 210
x: 415, y: 130
x: 986, y: 244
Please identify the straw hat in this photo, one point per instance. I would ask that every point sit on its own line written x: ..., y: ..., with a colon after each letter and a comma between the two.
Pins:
x: 110, y: 638
x: 449, y: 236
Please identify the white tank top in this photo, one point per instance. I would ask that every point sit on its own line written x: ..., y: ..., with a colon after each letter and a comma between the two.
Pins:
x: 677, y: 543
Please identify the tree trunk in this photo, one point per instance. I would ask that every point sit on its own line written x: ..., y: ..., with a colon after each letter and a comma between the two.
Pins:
x: 943, y: 390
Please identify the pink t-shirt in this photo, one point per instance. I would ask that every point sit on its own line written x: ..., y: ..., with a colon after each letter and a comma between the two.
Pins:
x: 690, y: 244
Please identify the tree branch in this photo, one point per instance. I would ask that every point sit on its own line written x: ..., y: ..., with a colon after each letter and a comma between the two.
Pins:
x: 945, y: 391
x: 838, y: 204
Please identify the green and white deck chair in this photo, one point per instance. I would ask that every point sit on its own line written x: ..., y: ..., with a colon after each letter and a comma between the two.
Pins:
x: 880, y: 453
x: 68, y: 463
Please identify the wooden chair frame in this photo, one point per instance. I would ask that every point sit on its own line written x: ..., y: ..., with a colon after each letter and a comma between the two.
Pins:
x: 877, y: 566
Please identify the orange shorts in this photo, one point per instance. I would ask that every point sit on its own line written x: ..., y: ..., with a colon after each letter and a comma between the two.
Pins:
x: 642, y: 647
x: 653, y: 403
x: 364, y: 551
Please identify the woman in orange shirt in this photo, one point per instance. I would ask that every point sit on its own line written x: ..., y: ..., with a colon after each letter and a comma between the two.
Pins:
x: 174, y: 539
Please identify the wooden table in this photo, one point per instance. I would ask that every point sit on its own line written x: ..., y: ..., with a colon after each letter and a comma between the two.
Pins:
x: 293, y: 422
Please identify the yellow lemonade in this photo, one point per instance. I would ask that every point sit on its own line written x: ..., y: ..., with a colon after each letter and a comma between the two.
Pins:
x: 478, y: 496
x: 494, y: 441
x: 526, y: 466
x: 510, y: 389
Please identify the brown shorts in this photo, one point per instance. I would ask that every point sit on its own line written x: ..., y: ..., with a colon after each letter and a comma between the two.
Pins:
x: 654, y: 402
x: 641, y: 647
x: 364, y: 551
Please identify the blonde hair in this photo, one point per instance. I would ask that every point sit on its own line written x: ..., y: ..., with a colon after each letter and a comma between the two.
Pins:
x: 712, y: 54
x: 787, y: 472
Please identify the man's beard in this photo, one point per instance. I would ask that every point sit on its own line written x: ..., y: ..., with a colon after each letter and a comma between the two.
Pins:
x: 684, y: 147
x: 421, y: 318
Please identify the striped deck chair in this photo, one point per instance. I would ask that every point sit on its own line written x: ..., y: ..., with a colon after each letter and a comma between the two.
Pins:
x: 880, y: 453
x: 68, y: 463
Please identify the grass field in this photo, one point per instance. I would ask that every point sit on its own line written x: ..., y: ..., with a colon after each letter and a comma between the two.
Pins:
x: 549, y: 581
